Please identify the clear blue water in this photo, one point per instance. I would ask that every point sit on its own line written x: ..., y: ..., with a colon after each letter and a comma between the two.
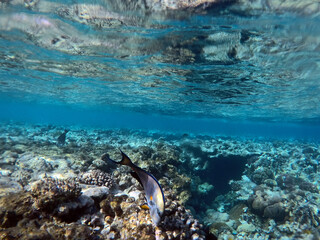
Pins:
x: 226, y: 71
x: 216, y: 72
x: 111, y: 118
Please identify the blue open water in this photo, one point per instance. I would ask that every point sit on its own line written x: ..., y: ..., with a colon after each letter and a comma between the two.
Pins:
x: 68, y: 116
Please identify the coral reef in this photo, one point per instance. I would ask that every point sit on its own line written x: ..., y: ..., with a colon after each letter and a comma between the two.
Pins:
x: 271, y: 193
x: 126, y: 220
x: 96, y: 177
x: 15, y: 207
x: 49, y: 192
x: 267, y: 205
x: 118, y: 217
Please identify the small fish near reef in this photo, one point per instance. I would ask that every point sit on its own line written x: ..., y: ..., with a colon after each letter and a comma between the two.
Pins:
x: 152, y: 188
x: 62, y: 138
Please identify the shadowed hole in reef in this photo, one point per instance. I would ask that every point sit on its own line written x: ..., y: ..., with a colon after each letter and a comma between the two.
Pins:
x: 210, y: 170
x: 221, y: 170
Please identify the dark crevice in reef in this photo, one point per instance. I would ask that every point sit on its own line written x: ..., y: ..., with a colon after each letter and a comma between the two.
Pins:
x: 221, y: 170
x: 210, y: 168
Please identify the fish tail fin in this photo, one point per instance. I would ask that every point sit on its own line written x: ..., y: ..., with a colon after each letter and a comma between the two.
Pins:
x: 124, y: 161
x: 105, y: 157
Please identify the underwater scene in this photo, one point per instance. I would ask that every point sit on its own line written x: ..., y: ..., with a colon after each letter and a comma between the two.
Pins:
x: 181, y: 119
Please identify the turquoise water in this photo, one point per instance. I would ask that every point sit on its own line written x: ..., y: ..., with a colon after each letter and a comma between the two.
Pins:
x: 218, y: 65
x: 109, y: 118
x: 220, y: 104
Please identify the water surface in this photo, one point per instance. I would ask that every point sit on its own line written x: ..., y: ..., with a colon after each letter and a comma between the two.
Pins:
x: 213, y: 65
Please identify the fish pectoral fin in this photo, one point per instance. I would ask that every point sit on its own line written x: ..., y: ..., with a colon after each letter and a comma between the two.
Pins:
x: 145, y: 206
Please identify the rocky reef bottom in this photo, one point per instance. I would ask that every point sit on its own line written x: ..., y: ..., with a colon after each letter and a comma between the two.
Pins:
x: 215, y: 187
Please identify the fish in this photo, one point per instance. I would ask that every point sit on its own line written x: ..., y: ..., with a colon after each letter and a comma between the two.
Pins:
x: 153, y: 191
x: 62, y: 138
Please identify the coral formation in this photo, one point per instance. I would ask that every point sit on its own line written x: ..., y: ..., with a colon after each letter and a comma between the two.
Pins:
x: 49, y: 192
x: 267, y: 205
x: 96, y: 177
x: 275, y: 195
x: 15, y: 207
x: 290, y: 183
x: 125, y: 219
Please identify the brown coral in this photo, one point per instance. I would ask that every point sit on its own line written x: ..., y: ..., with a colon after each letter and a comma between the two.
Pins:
x: 15, y: 207
x: 96, y: 177
x: 267, y: 205
x: 49, y: 192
